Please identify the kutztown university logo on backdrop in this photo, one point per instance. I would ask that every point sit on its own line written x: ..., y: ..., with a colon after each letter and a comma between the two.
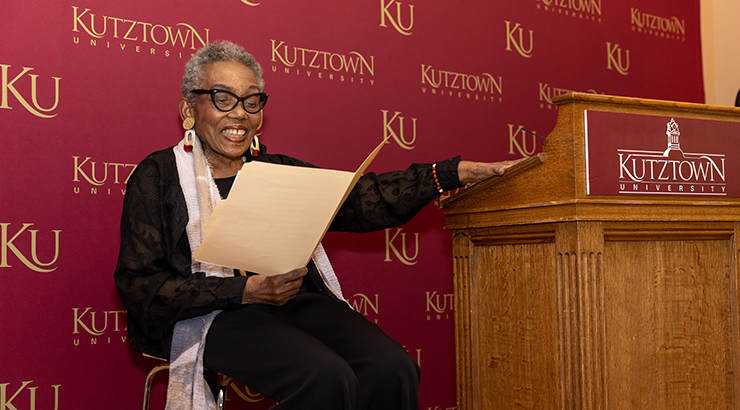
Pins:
x: 95, y: 177
x: 395, y: 16
x: 127, y: 34
x: 441, y: 83
x: 27, y: 394
x: 24, y: 85
x: 522, y: 142
x: 617, y: 58
x: 517, y: 38
x: 671, y: 28
x: 344, y: 67
x: 439, y: 305
x: 396, y: 240
x: 581, y: 9
x: 393, y: 126
x: 94, y: 326
x: 22, y: 243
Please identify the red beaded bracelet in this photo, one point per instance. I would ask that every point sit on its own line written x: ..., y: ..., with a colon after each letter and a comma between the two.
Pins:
x: 436, y: 180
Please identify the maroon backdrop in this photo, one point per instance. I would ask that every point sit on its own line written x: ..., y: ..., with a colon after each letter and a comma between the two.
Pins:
x: 89, y: 88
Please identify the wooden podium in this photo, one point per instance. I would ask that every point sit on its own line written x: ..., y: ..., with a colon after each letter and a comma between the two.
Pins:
x: 565, y: 300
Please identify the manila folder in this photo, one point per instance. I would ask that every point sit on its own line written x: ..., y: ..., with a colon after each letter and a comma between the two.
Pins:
x: 275, y: 216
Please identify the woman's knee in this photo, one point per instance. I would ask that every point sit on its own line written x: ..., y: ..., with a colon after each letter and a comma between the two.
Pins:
x: 392, y: 383
x: 330, y: 373
x: 393, y: 368
x: 329, y: 382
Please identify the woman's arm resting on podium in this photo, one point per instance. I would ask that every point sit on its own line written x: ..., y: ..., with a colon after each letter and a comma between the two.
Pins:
x: 470, y: 171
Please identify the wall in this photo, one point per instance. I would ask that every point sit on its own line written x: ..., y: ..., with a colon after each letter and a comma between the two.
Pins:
x: 721, y: 50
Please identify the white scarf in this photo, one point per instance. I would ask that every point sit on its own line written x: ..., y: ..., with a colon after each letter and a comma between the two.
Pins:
x: 187, y: 389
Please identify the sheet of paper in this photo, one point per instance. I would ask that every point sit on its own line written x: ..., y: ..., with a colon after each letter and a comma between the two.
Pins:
x: 275, y: 216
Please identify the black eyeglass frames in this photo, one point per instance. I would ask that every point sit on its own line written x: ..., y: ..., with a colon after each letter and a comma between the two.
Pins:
x: 226, y: 101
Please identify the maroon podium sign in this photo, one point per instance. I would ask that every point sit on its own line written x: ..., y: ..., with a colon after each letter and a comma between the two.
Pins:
x: 632, y: 154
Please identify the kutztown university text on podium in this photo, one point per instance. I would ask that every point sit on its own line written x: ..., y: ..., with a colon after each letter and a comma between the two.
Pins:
x: 603, y: 272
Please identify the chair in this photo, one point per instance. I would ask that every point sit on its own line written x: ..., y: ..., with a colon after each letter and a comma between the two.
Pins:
x: 220, y: 397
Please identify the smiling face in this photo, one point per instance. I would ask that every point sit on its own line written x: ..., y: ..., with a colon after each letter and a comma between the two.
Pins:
x: 225, y: 135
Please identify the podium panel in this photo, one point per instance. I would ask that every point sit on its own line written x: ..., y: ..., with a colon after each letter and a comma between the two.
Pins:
x: 668, y: 340
x: 586, y: 301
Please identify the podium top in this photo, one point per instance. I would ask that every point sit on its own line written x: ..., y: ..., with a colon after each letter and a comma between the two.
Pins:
x: 613, y: 158
x: 643, y: 105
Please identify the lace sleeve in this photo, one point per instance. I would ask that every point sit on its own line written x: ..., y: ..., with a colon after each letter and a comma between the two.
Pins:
x: 153, y: 275
x: 393, y: 198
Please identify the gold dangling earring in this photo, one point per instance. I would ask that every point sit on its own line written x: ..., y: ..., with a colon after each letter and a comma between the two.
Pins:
x: 188, y: 124
x: 255, y: 147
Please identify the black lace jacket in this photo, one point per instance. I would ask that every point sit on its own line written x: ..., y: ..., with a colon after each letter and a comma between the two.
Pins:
x: 153, y: 275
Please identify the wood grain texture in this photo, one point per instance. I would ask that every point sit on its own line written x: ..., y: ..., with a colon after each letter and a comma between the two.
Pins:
x: 464, y: 349
x: 517, y: 328
x: 564, y: 301
x: 669, y: 338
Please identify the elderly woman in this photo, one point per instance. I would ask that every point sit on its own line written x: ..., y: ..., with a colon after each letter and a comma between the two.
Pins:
x: 292, y: 337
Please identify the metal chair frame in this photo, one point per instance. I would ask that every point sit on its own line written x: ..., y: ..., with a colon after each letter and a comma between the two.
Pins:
x: 220, y: 399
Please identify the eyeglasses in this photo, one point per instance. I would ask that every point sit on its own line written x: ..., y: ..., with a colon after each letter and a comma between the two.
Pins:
x: 226, y: 101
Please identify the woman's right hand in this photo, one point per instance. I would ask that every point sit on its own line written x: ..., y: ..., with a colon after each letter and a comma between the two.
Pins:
x: 273, y: 290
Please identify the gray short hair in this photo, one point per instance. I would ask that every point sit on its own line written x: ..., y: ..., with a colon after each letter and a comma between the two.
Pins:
x: 213, y: 53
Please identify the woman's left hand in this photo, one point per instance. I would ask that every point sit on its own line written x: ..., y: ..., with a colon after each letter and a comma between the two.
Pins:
x: 470, y: 171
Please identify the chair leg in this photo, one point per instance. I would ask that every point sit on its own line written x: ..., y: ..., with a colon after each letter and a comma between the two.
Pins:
x: 148, y: 383
x: 222, y: 392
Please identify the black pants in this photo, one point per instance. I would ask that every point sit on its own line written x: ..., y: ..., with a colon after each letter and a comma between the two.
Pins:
x: 313, y: 353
